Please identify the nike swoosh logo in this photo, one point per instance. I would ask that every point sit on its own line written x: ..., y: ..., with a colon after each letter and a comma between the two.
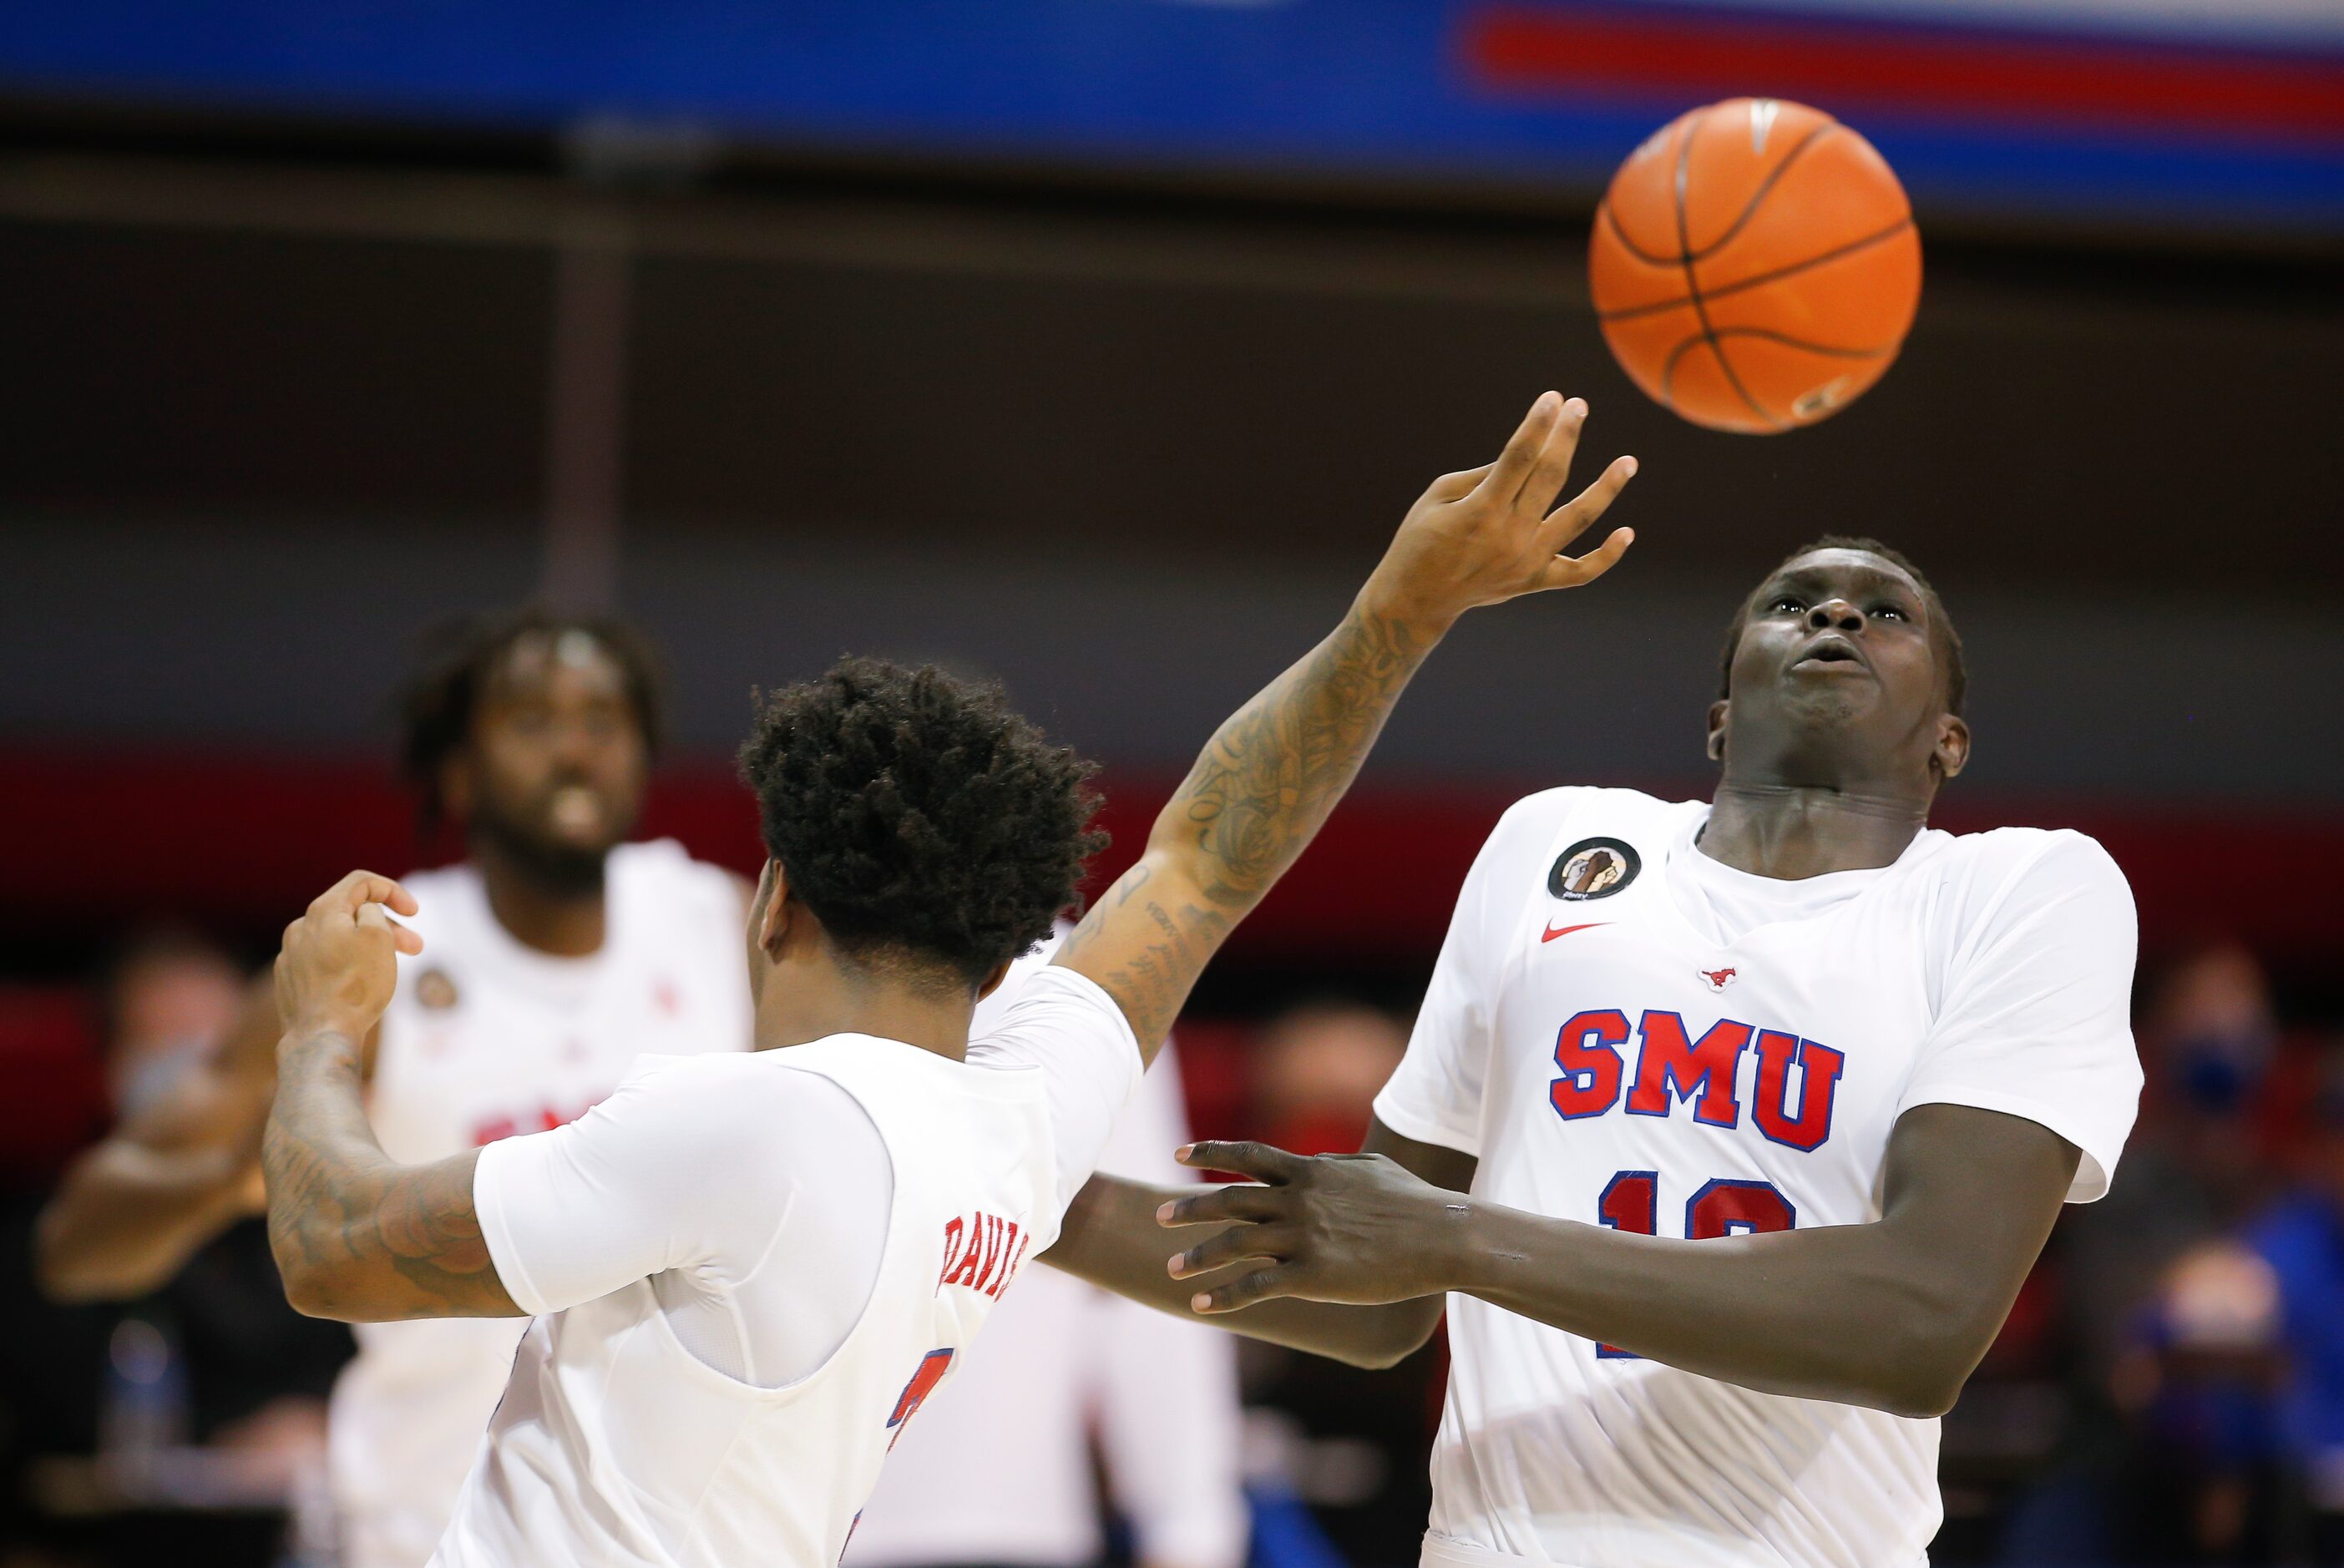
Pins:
x: 1554, y: 931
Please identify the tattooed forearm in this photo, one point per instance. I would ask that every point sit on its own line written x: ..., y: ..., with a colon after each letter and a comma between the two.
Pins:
x: 357, y: 1235
x: 1272, y: 774
x: 1265, y: 784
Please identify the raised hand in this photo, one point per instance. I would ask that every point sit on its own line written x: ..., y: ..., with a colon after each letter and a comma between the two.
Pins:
x: 337, y: 969
x: 1492, y: 533
x: 1351, y: 1228
x: 1264, y: 783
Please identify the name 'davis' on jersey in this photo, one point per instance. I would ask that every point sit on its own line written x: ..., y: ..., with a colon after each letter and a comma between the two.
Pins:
x: 982, y: 1252
x: 1673, y: 1068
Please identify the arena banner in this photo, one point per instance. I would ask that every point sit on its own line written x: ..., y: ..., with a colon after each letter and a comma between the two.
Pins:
x: 2164, y: 112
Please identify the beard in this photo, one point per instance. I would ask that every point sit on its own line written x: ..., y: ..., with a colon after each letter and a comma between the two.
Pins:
x: 563, y: 871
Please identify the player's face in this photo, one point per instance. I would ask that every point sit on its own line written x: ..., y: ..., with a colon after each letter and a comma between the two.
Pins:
x: 557, y: 765
x: 1838, y: 652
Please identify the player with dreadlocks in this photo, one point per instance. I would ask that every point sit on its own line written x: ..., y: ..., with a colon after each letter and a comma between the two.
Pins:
x: 559, y: 952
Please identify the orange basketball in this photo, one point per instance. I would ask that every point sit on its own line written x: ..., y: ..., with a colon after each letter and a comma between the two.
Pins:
x: 1755, y: 266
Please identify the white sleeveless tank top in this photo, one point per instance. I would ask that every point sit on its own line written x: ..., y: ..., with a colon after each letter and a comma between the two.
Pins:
x: 485, y: 1037
x: 615, y: 1445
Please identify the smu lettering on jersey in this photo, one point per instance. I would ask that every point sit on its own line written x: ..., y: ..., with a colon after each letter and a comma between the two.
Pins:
x: 485, y: 1038
x: 1628, y: 1036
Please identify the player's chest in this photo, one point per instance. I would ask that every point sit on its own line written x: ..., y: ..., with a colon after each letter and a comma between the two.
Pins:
x: 1626, y: 1036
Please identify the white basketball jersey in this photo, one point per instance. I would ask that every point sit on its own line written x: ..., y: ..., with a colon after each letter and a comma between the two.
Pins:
x: 615, y: 1444
x: 485, y: 1037
x: 1628, y: 1034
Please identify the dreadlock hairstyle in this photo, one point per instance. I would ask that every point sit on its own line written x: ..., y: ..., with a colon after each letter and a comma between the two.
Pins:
x: 436, y: 704
x: 1949, y: 642
x: 926, y: 824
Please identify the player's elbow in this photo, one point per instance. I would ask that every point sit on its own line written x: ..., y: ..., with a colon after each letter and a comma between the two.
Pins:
x: 1918, y: 1393
x: 69, y: 1272
x: 320, y: 1293
x: 313, y: 1287
x: 1930, y: 1357
x: 1392, y: 1334
x: 306, y: 1291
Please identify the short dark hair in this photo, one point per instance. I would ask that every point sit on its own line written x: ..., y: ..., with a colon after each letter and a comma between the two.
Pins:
x: 437, y: 703
x: 1949, y: 641
x: 924, y: 822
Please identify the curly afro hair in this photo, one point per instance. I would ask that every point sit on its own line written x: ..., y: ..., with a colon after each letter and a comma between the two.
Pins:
x: 1949, y: 642
x: 926, y: 824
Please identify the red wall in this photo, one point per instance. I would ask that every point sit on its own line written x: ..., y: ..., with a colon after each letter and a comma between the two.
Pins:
x: 99, y: 837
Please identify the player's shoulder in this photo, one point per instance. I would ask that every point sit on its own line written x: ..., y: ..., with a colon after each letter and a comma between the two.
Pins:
x: 2001, y: 853
x: 2008, y: 873
x: 1586, y: 809
x: 662, y: 868
x: 992, y: 1008
x: 729, y: 1099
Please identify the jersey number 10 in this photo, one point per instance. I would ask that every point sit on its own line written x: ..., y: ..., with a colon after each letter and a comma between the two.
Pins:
x: 1631, y: 1202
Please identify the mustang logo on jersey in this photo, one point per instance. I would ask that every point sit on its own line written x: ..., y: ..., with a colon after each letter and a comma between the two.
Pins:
x: 982, y: 1252
x: 1672, y: 1066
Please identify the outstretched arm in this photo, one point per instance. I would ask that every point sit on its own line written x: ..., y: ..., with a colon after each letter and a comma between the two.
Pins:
x: 1113, y: 1239
x: 1895, y: 1314
x: 359, y: 1236
x: 1270, y: 775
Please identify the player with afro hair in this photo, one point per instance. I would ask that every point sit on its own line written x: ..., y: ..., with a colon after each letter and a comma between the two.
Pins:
x: 923, y: 823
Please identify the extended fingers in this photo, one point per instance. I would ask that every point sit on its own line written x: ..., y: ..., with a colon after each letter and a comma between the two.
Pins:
x: 1568, y: 572
x: 1260, y: 1285
x: 1259, y: 1160
x: 1219, y: 1205
x: 1503, y: 479
x: 1569, y: 521
x: 1234, y: 1245
x: 1544, y: 480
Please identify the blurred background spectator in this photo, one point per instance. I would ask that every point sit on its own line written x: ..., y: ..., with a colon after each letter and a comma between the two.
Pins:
x: 194, y: 1417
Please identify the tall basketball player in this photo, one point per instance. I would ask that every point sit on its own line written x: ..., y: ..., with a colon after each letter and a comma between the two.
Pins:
x: 1728, y: 1132
x: 558, y: 952
x: 750, y: 1271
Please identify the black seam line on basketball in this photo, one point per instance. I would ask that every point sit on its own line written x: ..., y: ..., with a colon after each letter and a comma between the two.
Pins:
x: 1669, y: 369
x: 1700, y: 310
x: 1810, y: 139
x: 1630, y: 312
x: 1605, y: 213
x: 1604, y: 209
x: 1803, y: 345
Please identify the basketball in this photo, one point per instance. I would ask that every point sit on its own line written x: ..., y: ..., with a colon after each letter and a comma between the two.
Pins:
x: 1754, y: 266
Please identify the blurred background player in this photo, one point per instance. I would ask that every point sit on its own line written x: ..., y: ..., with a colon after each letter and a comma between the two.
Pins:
x: 999, y: 1467
x: 558, y: 954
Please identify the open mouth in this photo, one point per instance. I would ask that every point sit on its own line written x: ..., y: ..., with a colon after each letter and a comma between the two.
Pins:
x: 1830, y: 653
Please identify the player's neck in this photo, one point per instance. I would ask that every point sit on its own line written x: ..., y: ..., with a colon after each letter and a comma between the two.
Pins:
x: 1797, y: 831
x: 803, y: 1001
x: 568, y: 922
